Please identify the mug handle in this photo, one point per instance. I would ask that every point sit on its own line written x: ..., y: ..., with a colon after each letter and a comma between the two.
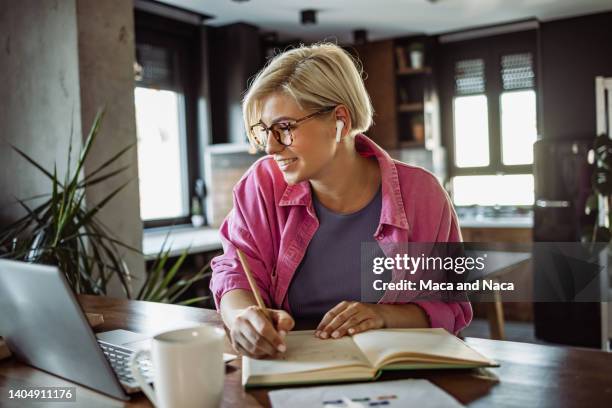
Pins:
x: 144, y: 385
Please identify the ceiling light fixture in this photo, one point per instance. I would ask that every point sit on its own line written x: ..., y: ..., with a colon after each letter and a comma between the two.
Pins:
x: 309, y: 17
x: 360, y: 36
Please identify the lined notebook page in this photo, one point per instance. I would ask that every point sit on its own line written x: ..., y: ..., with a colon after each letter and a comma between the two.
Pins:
x: 308, y: 353
x: 378, y: 345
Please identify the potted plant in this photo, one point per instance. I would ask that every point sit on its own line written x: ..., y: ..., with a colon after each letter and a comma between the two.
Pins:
x: 197, y: 215
x: 61, y: 230
x: 600, y: 157
x: 167, y: 286
x: 417, y: 55
x: 418, y: 128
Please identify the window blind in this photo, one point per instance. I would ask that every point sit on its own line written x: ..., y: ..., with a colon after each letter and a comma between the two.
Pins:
x: 517, y: 71
x: 469, y: 77
x: 158, y: 67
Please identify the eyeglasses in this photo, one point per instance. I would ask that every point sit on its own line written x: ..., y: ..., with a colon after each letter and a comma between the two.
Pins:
x: 282, y: 131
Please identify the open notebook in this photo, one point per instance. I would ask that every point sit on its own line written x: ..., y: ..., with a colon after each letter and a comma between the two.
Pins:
x: 360, y: 357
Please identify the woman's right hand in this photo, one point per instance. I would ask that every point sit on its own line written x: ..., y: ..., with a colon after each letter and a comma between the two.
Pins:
x: 254, y: 335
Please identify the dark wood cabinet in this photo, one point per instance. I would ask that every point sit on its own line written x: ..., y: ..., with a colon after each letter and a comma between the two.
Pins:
x: 405, y: 98
x: 379, y: 74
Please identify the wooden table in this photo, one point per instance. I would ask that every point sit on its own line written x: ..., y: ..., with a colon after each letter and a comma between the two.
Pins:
x: 530, y: 375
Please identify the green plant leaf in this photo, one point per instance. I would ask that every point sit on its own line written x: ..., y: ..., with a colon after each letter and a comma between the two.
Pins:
x: 33, y: 162
x: 92, y: 212
x: 193, y: 300
x: 182, y: 286
x: 93, y: 132
x: 30, y: 212
x: 154, y: 277
x: 90, y: 182
x: 162, y: 250
x: 113, y: 257
x: 105, y: 237
x: 170, y: 275
x: 110, y: 161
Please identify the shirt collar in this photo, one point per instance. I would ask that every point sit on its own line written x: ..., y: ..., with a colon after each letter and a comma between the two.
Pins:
x: 392, y: 212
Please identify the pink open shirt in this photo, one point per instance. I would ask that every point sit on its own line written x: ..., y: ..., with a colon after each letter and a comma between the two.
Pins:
x: 273, y: 223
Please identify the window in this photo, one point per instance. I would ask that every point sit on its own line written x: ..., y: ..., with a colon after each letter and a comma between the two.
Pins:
x: 492, y: 123
x: 161, y: 154
x: 471, y: 131
x: 518, y: 126
x: 165, y: 101
x: 518, y: 109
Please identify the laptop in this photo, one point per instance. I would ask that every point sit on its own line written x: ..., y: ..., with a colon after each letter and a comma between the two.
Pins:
x: 44, y: 327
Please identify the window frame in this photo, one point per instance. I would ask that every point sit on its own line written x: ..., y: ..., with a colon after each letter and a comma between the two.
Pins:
x: 490, y: 50
x: 184, y: 39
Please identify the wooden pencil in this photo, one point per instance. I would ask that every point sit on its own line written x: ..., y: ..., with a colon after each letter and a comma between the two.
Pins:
x: 253, y: 284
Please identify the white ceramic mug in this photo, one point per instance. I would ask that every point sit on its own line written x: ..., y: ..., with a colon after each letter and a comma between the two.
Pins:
x: 188, y: 368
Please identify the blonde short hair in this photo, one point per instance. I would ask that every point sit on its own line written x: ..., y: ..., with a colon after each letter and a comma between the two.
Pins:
x: 318, y: 76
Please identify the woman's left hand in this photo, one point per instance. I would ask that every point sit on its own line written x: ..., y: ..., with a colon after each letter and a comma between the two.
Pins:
x: 349, y: 318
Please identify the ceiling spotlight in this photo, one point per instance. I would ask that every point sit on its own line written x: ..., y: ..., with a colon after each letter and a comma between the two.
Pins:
x: 309, y: 16
x: 360, y: 36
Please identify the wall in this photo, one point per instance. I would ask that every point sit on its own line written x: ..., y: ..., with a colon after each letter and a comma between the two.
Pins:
x: 39, y: 94
x: 59, y: 62
x: 573, y: 52
x: 106, y: 61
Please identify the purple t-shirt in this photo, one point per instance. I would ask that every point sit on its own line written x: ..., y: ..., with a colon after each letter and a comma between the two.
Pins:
x: 330, y: 271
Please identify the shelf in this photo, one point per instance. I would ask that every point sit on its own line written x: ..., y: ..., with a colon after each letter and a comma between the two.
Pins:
x: 413, y: 71
x: 411, y: 144
x: 410, y: 107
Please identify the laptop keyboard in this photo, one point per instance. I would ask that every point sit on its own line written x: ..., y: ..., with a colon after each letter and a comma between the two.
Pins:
x: 119, y: 358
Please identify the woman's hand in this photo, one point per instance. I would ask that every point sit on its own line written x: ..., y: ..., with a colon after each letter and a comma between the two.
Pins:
x: 252, y: 334
x: 349, y: 318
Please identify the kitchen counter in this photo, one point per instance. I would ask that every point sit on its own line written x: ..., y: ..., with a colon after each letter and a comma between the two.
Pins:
x: 496, y: 222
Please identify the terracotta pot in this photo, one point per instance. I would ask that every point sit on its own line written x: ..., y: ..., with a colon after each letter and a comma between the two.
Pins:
x: 418, y: 132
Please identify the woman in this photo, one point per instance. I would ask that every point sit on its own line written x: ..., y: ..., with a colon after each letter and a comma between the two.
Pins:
x: 301, y: 212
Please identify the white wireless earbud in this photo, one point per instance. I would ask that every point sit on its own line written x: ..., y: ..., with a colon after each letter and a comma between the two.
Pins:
x: 339, y: 127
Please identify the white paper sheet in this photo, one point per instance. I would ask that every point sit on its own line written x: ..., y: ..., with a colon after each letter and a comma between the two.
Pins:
x: 384, y: 394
